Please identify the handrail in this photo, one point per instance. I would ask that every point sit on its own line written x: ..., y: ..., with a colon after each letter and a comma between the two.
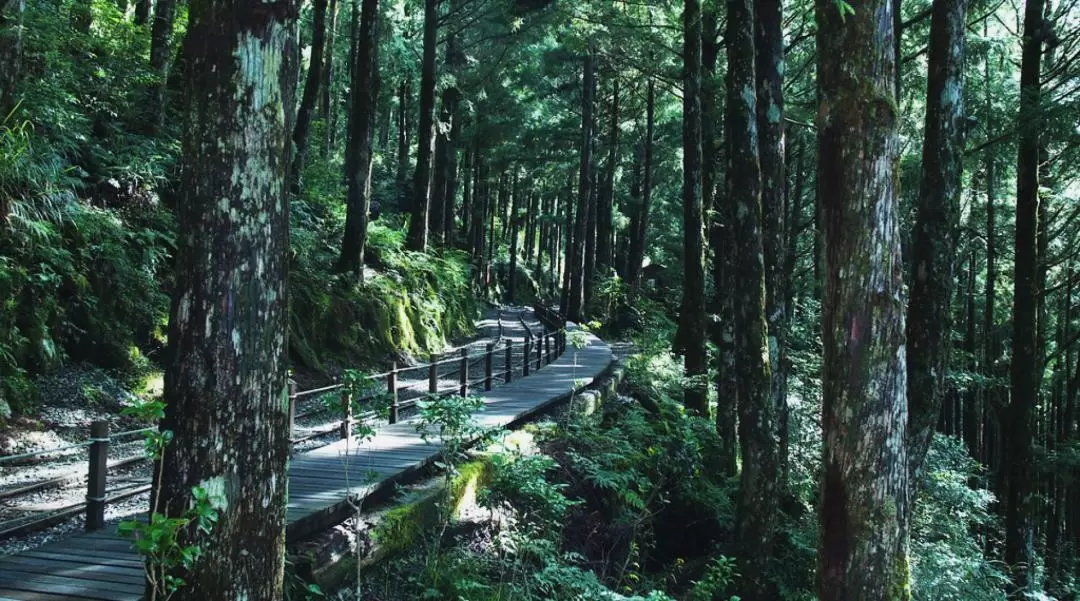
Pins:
x: 101, y: 438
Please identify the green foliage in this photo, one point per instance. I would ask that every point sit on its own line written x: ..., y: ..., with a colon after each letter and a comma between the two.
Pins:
x: 407, y: 303
x: 949, y: 521
x: 520, y: 484
x: 718, y: 576
x: 164, y: 542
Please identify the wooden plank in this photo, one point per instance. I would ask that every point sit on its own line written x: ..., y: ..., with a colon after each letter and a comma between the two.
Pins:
x: 128, y: 575
x: 13, y: 595
x: 76, y: 587
x: 75, y: 556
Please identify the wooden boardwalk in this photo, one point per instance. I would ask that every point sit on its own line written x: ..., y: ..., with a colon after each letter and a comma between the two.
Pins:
x: 102, y: 566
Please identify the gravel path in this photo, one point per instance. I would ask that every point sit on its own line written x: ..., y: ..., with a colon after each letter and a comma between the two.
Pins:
x: 66, y: 423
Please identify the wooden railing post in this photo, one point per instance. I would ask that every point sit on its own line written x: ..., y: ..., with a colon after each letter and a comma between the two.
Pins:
x: 99, y: 463
x: 509, y: 376
x: 539, y: 353
x: 464, y: 391
x: 391, y: 387
x: 525, y: 356
x: 433, y: 375
x: 346, y: 410
x: 487, y: 365
x: 292, y: 407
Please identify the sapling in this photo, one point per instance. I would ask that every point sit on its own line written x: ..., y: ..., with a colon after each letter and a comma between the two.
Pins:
x: 161, y: 541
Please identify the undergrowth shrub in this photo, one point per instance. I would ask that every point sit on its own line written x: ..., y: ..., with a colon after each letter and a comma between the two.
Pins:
x: 949, y: 524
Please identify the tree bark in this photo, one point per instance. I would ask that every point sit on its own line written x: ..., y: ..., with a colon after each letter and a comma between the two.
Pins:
x: 311, y: 94
x: 403, y: 147
x: 421, y: 192
x: 936, y: 224
x: 142, y: 12
x: 604, y: 227
x: 637, y: 239
x: 864, y: 534
x: 225, y: 389
x: 757, y: 504
x: 791, y: 253
x: 575, y: 305
x: 1020, y: 502
x: 11, y: 31
x: 692, y: 314
x: 160, y: 48
x: 770, y: 119
x: 365, y: 95
x: 326, y: 89
x: 514, y: 225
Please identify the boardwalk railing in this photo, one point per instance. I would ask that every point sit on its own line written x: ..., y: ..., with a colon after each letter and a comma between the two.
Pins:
x: 538, y: 349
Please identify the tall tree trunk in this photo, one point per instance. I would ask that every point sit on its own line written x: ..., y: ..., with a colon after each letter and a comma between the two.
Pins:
x: 142, y: 12
x: 1020, y: 504
x: 692, y: 314
x: 515, y: 226
x: 404, y: 201
x: 638, y: 235
x: 758, y: 486
x: 722, y: 241
x: 710, y: 95
x: 575, y: 305
x: 790, y: 255
x: 590, y: 242
x: 973, y: 411
x: 769, y: 65
x: 530, y: 231
x: 160, y: 48
x: 863, y: 554
x: 311, y: 94
x: 568, y: 253
x: 421, y: 192
x: 440, y: 171
x: 990, y: 336
x: 365, y: 95
x: 326, y: 89
x: 467, y: 196
x: 11, y: 32
x: 228, y: 327
x: 604, y: 226
x: 937, y: 221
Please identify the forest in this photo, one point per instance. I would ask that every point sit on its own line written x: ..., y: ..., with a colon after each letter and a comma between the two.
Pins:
x: 834, y: 244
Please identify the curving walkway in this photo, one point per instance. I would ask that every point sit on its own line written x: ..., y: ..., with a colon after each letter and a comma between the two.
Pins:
x: 101, y: 566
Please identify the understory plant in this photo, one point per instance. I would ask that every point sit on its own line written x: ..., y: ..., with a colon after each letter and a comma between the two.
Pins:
x: 165, y: 542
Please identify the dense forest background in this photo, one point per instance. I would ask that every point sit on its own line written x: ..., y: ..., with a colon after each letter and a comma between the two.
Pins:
x: 844, y: 239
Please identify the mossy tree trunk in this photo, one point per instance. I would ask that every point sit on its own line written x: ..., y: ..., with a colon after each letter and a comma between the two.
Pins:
x: 864, y: 534
x: 225, y: 388
x: 365, y: 94
x: 769, y: 65
x: 311, y: 94
x: 936, y: 224
x: 757, y: 438
x: 425, y: 148
x: 1019, y: 437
